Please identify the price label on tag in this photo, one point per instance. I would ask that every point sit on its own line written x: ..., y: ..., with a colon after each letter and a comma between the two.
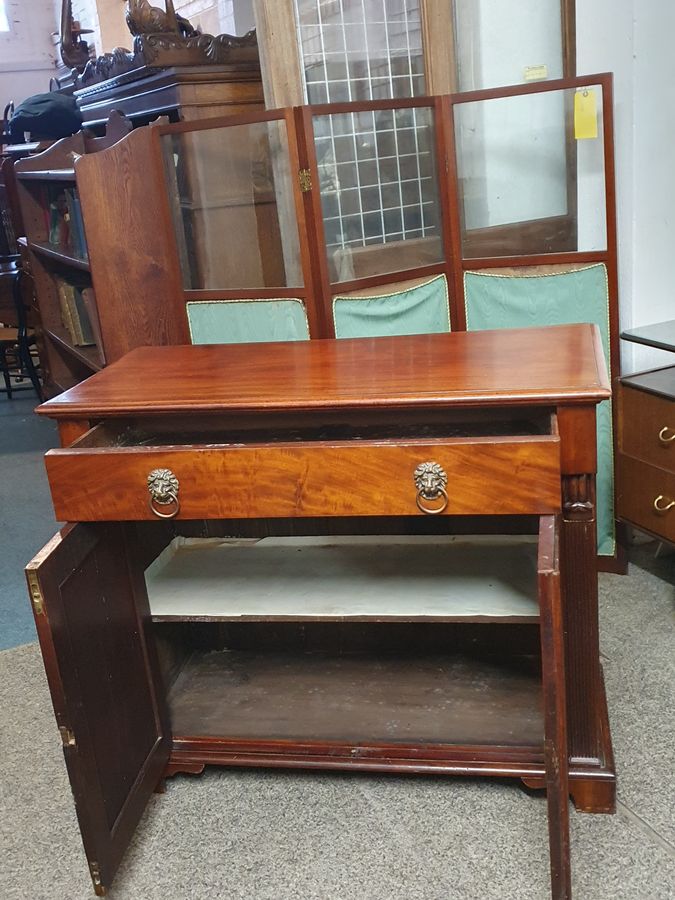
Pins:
x: 535, y: 73
x: 585, y: 114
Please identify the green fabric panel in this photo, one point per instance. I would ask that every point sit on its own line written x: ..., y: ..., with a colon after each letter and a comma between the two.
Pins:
x: 419, y: 310
x: 506, y: 301
x: 247, y: 321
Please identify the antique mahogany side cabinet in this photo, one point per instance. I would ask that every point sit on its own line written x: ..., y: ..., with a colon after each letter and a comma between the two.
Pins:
x: 227, y: 590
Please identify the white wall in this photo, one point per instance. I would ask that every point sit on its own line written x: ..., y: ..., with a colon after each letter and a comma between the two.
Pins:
x: 498, y: 40
x: 633, y: 39
x: 26, y: 51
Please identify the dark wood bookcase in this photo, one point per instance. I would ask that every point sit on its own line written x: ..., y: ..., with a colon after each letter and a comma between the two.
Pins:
x: 58, y: 246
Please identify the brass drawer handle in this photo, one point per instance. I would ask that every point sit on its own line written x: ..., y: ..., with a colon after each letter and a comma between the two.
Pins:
x: 431, y: 481
x: 163, y: 487
x: 662, y: 435
x: 663, y: 509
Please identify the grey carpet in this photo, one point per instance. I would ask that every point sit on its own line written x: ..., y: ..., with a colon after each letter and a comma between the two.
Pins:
x: 274, y: 835
x: 282, y: 836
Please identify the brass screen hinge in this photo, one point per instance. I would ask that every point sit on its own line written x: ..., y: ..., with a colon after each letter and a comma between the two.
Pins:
x: 36, y: 594
x: 67, y: 736
x: 305, y: 179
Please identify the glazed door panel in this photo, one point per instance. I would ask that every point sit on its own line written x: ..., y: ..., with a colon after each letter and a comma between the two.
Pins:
x: 91, y: 618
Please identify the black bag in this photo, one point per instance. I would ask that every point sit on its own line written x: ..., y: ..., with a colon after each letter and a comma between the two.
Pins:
x: 51, y: 115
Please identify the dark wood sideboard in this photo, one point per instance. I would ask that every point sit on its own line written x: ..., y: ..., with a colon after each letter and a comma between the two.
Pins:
x: 289, y: 442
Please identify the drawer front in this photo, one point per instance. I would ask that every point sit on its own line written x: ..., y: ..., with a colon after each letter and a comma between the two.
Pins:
x: 644, y: 495
x: 648, y: 427
x: 484, y: 475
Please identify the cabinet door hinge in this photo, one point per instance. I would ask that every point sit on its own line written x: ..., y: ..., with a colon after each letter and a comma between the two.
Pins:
x: 67, y: 736
x: 95, y: 871
x: 305, y: 179
x: 36, y: 594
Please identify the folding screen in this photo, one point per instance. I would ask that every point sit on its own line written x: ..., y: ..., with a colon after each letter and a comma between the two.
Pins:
x: 535, y: 224
x: 487, y: 209
x: 236, y: 224
x: 385, y: 263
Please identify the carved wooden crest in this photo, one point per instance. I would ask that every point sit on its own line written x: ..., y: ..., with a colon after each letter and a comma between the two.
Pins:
x: 161, y: 38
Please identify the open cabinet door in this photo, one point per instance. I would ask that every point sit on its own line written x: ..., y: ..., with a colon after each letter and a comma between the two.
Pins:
x: 92, y: 618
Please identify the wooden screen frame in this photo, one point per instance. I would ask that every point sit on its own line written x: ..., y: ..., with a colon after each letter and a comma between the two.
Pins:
x: 318, y: 290
x: 455, y: 264
x: 311, y: 287
x: 444, y: 267
x: 608, y: 256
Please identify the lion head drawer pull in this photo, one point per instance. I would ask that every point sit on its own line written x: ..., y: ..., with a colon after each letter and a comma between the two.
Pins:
x: 662, y: 507
x: 664, y: 437
x: 163, y: 486
x: 430, y: 481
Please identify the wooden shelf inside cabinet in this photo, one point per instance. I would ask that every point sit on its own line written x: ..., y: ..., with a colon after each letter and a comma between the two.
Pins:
x: 88, y: 356
x: 347, y: 578
x: 362, y: 698
x: 55, y: 252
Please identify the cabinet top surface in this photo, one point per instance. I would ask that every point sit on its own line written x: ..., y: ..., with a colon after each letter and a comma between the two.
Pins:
x: 656, y: 381
x: 661, y: 335
x: 521, y: 366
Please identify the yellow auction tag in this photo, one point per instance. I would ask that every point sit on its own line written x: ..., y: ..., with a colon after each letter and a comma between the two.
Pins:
x: 585, y: 114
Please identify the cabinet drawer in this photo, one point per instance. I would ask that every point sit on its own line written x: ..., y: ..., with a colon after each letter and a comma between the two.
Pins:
x: 491, y: 475
x: 647, y: 427
x: 641, y: 489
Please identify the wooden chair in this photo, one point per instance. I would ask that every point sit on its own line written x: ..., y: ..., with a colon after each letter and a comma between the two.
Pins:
x: 17, y: 341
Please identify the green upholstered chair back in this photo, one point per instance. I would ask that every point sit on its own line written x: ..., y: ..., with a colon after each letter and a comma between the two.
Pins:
x: 495, y: 300
x: 247, y: 321
x: 420, y: 309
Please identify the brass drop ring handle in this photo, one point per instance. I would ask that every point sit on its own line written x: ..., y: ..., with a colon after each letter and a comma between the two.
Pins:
x: 163, y: 487
x: 663, y: 509
x: 663, y: 433
x: 429, y: 510
x: 430, y: 481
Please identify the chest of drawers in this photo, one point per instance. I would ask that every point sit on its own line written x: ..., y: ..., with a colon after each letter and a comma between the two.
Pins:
x: 646, y: 465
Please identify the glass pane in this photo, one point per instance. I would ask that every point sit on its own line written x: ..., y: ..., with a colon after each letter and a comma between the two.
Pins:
x: 233, y: 208
x: 527, y: 182
x: 500, y: 43
x: 360, y: 49
x: 379, y: 191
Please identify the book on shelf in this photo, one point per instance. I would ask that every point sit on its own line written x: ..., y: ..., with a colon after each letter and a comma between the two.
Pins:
x: 63, y: 220
x: 75, y: 314
x: 78, y: 242
x: 59, y: 231
x: 89, y: 300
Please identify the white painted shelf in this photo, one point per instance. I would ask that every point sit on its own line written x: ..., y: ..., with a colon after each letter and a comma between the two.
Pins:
x: 379, y: 578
